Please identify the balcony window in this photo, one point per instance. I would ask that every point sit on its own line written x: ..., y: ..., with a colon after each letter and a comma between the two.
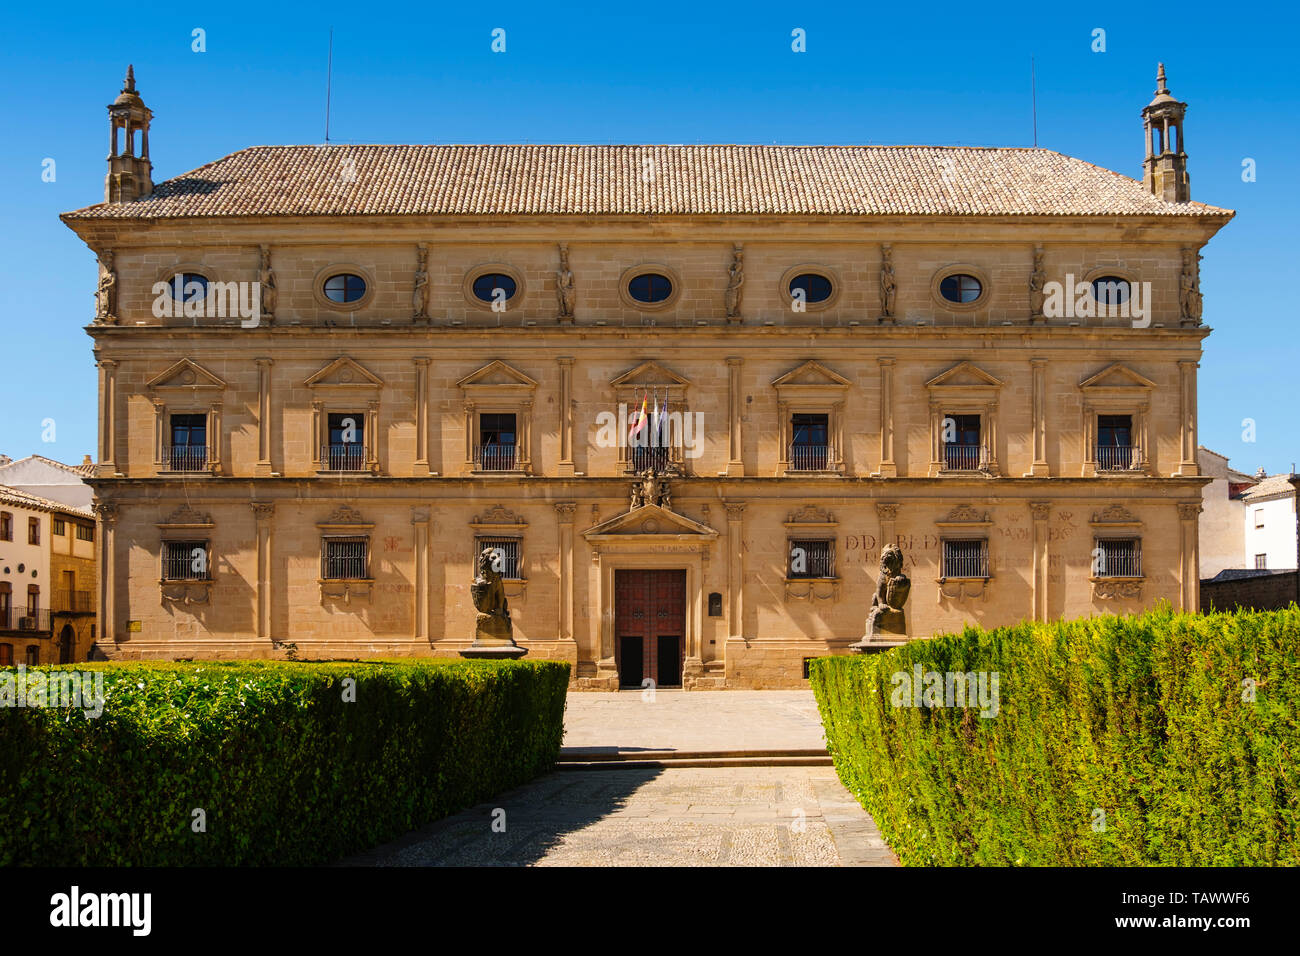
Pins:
x: 809, y: 448
x: 962, y: 448
x: 85, y: 532
x: 185, y: 561
x: 1261, y: 562
x: 811, y: 559
x: 188, y: 450
x: 345, y: 559
x: 5, y: 605
x: 966, y: 559
x: 33, y: 530
x: 496, y: 446
x: 1117, y: 558
x: 346, y: 448
x: 1115, y: 448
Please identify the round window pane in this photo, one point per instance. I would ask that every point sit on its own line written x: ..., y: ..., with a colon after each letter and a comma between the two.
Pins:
x: 816, y: 288
x: 1110, y: 290
x: 188, y: 286
x: 486, y: 286
x: 650, y: 287
x: 345, y: 287
x: 960, y: 288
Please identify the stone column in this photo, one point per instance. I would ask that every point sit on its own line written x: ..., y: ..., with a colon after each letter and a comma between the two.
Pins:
x: 564, y: 515
x: 565, y: 465
x: 936, y: 438
x: 317, y: 427
x: 421, y: 465
x: 372, y: 436
x: 735, y: 569
x: 159, y: 431
x: 263, y: 512
x: 214, y: 437
x: 263, y: 469
x: 1187, y: 417
x: 420, y: 611
x: 735, y: 408
x: 107, y: 419
x: 1040, y: 511
x: 1189, y: 581
x: 888, y: 469
x: 1040, y: 468
x: 106, y: 612
x: 887, y: 512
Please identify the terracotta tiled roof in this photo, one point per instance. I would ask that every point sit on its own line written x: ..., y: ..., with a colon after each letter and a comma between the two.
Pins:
x: 22, y: 499
x: 1273, y: 485
x: 336, y: 180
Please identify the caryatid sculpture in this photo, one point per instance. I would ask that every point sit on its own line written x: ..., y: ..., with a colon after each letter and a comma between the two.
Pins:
x: 886, y: 616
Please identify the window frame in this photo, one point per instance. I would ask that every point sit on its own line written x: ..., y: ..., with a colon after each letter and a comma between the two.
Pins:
x: 34, y: 530
x: 337, y: 538
x: 984, y: 559
x: 6, y: 526
x: 167, y: 560
x: 332, y: 270
x: 961, y: 268
x: 647, y: 268
x: 477, y: 272
x: 810, y: 268
x: 828, y: 564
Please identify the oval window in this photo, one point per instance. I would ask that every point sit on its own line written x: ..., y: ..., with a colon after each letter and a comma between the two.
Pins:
x: 486, y: 286
x: 650, y: 287
x: 960, y: 287
x: 816, y: 288
x: 1110, y: 290
x: 188, y: 286
x: 345, y: 287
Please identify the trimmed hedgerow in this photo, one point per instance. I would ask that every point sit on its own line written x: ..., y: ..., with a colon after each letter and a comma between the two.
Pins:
x: 1181, y: 728
x: 286, y: 770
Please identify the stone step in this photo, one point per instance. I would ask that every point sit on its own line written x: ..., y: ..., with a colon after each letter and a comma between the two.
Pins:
x: 662, y: 759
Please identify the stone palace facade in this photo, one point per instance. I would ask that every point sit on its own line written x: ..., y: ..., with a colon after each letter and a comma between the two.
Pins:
x: 331, y: 376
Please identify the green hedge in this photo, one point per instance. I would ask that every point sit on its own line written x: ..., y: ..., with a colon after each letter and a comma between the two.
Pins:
x: 287, y: 771
x: 1140, y: 717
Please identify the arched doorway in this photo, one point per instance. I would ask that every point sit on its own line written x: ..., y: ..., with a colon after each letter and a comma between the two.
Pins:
x: 67, y: 644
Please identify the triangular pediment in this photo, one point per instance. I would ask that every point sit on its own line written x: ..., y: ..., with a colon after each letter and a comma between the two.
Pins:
x: 648, y: 374
x: 811, y: 373
x: 650, y: 521
x: 1117, y: 375
x: 964, y: 375
x: 343, y: 372
x: 496, y: 375
x: 187, y: 375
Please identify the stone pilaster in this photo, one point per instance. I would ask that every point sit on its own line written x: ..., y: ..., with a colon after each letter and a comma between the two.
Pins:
x: 1040, y: 467
x: 108, y: 412
x: 421, y: 465
x: 887, y: 512
x: 735, y: 569
x: 564, y: 515
x: 264, y: 419
x: 735, y: 408
x: 888, y: 467
x: 1189, y: 580
x: 107, y: 513
x: 420, y: 545
x: 1040, y: 510
x: 1187, y: 467
x: 263, y: 511
x: 565, y: 464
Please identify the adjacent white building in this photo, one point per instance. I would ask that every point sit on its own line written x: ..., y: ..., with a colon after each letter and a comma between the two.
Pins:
x: 1270, y: 525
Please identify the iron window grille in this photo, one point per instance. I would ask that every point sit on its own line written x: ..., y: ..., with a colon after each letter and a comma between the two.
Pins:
x: 508, y: 551
x: 345, y: 559
x: 966, y: 558
x: 1118, y: 558
x: 811, y: 558
x: 185, y: 561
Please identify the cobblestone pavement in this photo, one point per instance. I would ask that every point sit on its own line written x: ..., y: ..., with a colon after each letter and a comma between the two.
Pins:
x: 730, y: 816
x: 693, y: 720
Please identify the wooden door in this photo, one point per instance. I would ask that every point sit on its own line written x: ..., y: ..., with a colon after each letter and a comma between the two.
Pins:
x: 649, y: 626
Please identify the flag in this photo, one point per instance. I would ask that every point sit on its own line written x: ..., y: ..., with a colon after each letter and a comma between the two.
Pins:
x: 639, y: 422
x: 661, y: 421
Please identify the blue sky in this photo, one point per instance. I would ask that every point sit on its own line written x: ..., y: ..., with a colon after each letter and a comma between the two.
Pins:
x: 667, y: 72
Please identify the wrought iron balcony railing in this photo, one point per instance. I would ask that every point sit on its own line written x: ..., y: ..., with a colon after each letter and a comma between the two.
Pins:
x: 495, y: 457
x: 659, y: 459
x: 809, y: 457
x: 958, y: 457
x: 25, y: 619
x: 345, y: 456
x: 74, y: 602
x: 1118, y: 457
x: 185, y: 458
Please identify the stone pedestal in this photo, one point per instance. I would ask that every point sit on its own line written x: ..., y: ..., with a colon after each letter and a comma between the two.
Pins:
x: 493, y: 638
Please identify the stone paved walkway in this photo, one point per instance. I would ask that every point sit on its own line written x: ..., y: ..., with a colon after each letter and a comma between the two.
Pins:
x: 693, y: 720
x: 730, y: 816
x: 673, y: 816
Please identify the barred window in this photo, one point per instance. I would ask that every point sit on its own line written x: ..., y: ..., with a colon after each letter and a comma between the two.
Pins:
x: 59, y: 528
x: 1118, y: 558
x: 185, y: 561
x: 345, y: 559
x: 85, y: 532
x: 508, y: 549
x: 812, y: 559
x: 966, y: 558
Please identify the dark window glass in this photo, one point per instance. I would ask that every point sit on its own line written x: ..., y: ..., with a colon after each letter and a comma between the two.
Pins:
x: 6, y: 655
x: 190, y: 431
x: 508, y: 549
x: 1114, y: 431
x: 496, y: 429
x: 33, y: 655
x: 6, y: 526
x: 85, y: 532
x: 59, y: 528
x: 816, y: 288
x: 188, y: 286
x: 185, y: 561
x: 650, y: 287
x: 485, y: 286
x: 347, y: 428
x: 808, y: 442
x: 33, y: 531
x: 1110, y: 290
x: 345, y: 287
x: 960, y: 288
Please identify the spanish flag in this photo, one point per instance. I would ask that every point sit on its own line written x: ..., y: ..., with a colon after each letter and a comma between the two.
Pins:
x: 639, y: 422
